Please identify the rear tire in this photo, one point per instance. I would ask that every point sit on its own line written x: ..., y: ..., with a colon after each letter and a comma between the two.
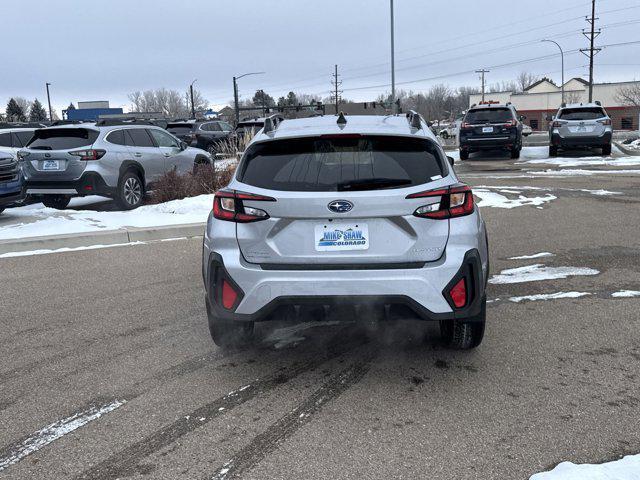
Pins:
x: 515, y: 153
x: 606, y: 149
x: 130, y: 191
x: 553, y: 151
x: 464, y: 334
x: 59, y: 202
x: 1, y: 209
x: 464, y: 155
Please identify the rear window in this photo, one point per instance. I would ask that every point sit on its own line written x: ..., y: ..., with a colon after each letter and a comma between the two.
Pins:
x: 180, y: 127
x: 590, y: 113
x: 62, y: 138
x: 327, y: 164
x: 489, y: 115
x: 24, y: 137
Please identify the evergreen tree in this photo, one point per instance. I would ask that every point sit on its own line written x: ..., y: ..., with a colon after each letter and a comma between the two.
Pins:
x: 261, y: 98
x: 37, y: 113
x: 15, y: 113
x: 292, y: 99
x: 71, y: 106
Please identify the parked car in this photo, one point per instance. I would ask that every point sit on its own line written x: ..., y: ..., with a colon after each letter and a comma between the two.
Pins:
x: 201, y: 134
x: 580, y: 126
x: 358, y: 211
x: 14, y: 136
x: 526, y: 130
x: 11, y: 188
x: 491, y: 126
x: 451, y: 131
x: 120, y: 160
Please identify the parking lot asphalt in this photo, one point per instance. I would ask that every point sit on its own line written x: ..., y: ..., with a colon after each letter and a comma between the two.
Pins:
x: 108, y: 370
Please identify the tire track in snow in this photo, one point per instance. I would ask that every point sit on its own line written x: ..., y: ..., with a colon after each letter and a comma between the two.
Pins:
x: 125, y: 462
x: 269, y: 440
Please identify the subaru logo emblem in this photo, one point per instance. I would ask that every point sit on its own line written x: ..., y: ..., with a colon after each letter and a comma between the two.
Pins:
x: 47, y: 155
x: 340, y: 206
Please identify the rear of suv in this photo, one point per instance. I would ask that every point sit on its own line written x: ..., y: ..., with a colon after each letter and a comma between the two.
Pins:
x: 113, y: 159
x: 206, y: 135
x: 491, y: 126
x: 580, y: 126
x: 364, y: 214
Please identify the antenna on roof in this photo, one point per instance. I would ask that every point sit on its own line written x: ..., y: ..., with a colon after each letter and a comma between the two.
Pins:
x: 271, y: 123
x: 341, y: 119
x: 414, y: 119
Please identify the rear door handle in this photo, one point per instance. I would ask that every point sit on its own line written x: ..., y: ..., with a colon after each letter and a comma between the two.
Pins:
x: 137, y: 154
x: 167, y: 154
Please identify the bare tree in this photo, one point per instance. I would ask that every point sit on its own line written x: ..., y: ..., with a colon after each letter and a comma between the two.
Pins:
x: 524, y: 80
x: 629, y: 94
x: 170, y: 103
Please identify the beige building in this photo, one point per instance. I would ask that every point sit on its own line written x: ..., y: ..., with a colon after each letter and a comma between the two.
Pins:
x: 544, y: 97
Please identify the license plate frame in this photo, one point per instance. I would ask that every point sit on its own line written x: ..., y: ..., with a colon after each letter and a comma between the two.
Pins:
x: 51, y: 165
x: 487, y: 129
x: 340, y: 237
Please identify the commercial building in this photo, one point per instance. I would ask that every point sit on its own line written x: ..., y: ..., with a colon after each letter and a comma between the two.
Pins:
x: 90, y: 111
x: 544, y: 97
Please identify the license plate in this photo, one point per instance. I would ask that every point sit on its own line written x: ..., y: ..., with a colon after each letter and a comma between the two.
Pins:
x: 51, y: 165
x: 487, y: 129
x: 332, y: 237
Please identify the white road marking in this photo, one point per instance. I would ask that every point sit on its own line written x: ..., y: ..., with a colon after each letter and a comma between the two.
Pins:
x: 56, y: 430
x: 66, y: 249
x: 535, y: 255
x: 626, y: 294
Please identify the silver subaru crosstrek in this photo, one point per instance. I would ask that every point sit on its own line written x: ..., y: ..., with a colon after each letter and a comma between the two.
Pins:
x: 580, y: 126
x: 363, y: 213
x: 115, y: 159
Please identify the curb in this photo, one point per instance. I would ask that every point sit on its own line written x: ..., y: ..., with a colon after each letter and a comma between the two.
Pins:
x: 111, y: 237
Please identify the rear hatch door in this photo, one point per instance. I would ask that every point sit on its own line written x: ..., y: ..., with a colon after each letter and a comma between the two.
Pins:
x: 342, y: 200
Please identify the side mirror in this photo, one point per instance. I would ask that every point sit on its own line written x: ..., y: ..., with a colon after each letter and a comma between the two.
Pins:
x: 550, y: 118
x: 451, y: 160
x: 523, y: 117
x: 183, y: 146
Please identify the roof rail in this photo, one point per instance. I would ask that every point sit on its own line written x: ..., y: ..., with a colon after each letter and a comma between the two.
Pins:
x: 271, y: 123
x: 69, y: 122
x: 414, y: 119
x: 109, y: 122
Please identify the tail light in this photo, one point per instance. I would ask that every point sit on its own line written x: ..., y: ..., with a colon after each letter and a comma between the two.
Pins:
x: 511, y: 123
x: 88, y: 154
x: 606, y: 121
x: 458, y: 293
x: 455, y: 201
x: 465, y: 125
x: 228, y: 205
x: 556, y: 124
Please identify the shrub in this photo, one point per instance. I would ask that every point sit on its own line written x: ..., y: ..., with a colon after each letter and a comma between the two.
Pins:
x: 205, y: 179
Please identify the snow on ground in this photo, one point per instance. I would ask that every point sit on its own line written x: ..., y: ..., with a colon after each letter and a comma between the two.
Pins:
x: 585, y: 161
x: 37, y: 220
x: 539, y: 272
x: 548, y: 296
x: 535, y: 255
x: 503, y: 189
x: 626, y: 294
x: 573, y: 172
x: 496, y: 200
x: 627, y: 468
x: 635, y: 145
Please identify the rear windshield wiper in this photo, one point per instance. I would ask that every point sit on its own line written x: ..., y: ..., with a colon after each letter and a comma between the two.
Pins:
x: 372, y: 184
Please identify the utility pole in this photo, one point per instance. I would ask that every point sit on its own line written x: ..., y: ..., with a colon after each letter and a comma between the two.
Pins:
x: 193, y: 107
x: 482, y: 72
x: 336, y: 83
x: 592, y: 50
x: 393, y: 66
x: 235, y: 92
x: 562, y: 57
x: 49, y: 101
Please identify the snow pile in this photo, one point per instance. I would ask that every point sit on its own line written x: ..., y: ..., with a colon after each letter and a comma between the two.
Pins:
x: 585, y: 161
x: 627, y: 468
x: 635, y: 145
x: 539, y: 272
x: 626, y: 294
x: 571, y: 172
x: 496, y: 200
x: 548, y: 296
x: 37, y: 220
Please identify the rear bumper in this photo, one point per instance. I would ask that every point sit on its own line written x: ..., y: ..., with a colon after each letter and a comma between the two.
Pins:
x: 581, y: 141
x: 474, y: 144
x: 11, y: 193
x: 90, y: 183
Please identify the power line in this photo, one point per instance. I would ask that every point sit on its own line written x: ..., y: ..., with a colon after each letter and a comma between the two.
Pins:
x: 592, y: 50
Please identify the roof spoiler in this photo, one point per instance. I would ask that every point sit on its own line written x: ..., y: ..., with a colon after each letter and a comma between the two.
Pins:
x: 110, y: 122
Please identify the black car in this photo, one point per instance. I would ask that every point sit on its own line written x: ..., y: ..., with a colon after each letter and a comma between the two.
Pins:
x: 491, y: 126
x: 205, y: 134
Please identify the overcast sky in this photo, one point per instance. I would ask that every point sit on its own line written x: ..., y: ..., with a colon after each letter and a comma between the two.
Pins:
x: 103, y: 50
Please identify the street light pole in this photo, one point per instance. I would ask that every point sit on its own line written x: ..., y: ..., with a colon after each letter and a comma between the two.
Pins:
x: 193, y: 107
x: 49, y: 102
x: 393, y: 64
x: 235, y: 92
x: 562, y: 57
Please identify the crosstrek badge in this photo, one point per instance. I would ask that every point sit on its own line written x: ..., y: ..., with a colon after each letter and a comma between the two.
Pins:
x: 337, y: 237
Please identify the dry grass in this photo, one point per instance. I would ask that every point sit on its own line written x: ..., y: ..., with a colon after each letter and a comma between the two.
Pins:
x: 204, y: 180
